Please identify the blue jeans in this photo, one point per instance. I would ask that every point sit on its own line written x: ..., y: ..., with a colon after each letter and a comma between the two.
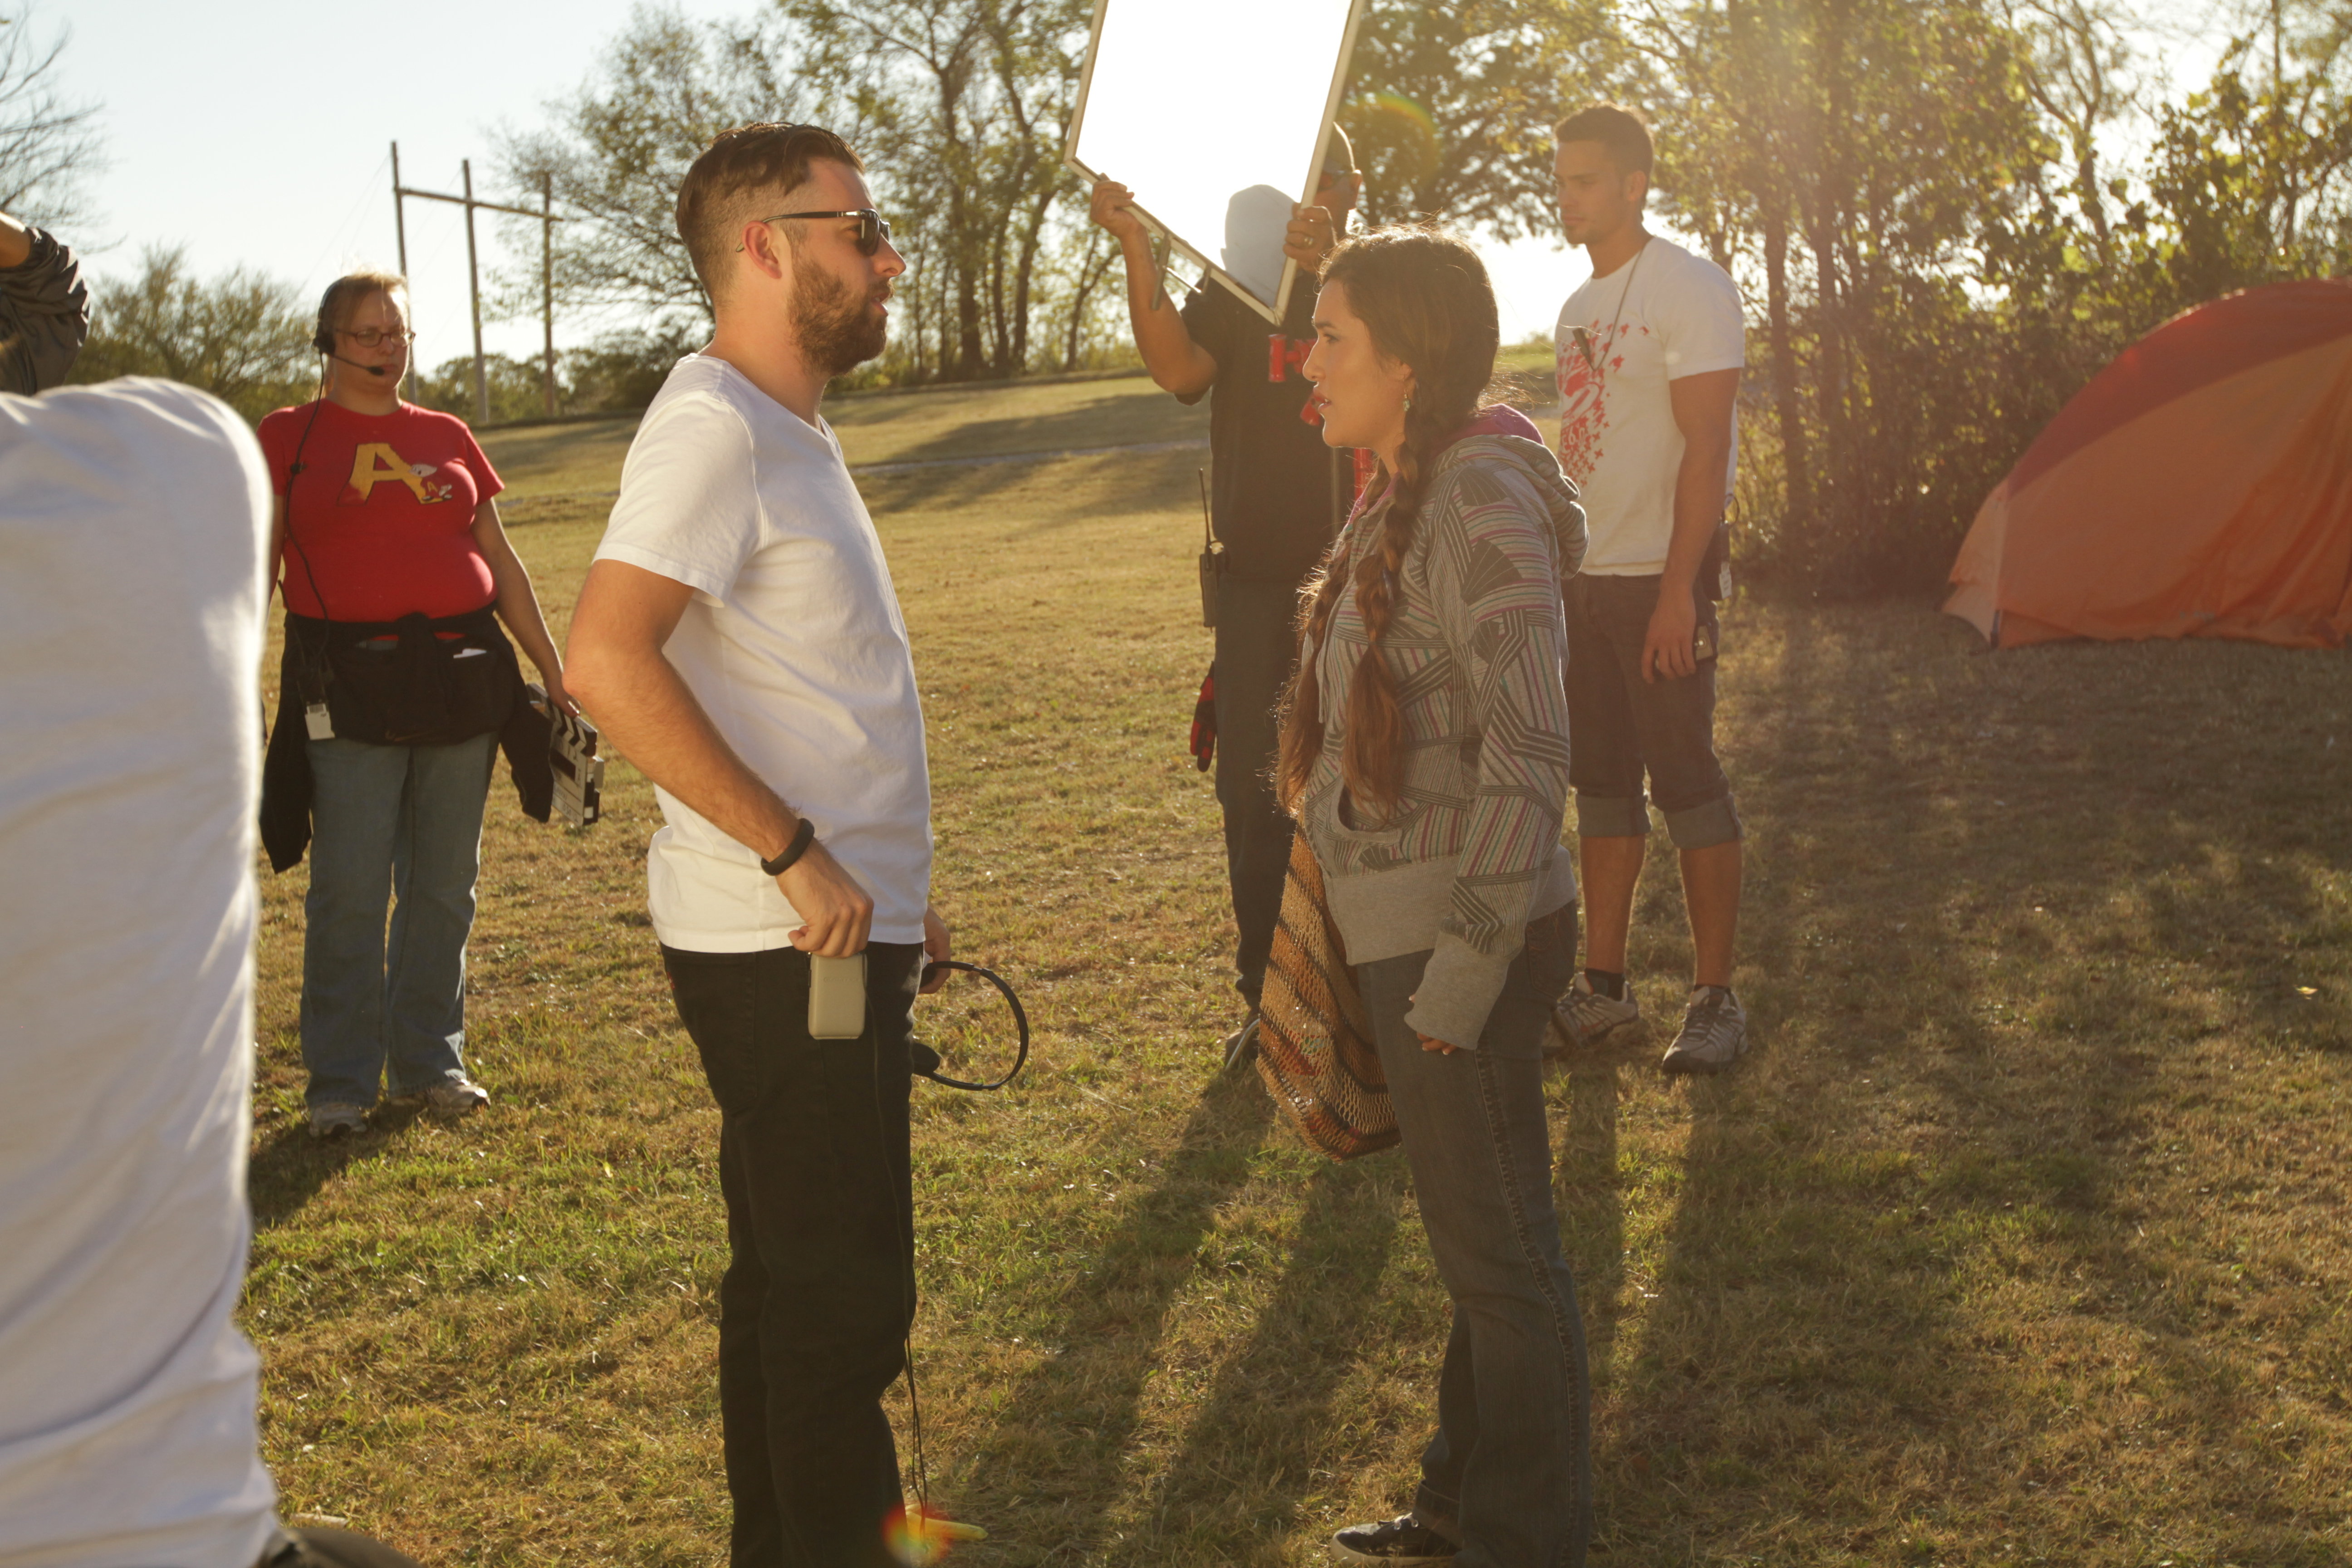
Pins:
x: 1509, y: 1473
x: 390, y: 822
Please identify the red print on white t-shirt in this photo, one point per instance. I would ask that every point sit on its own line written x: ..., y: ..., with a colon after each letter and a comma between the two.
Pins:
x: 1583, y: 405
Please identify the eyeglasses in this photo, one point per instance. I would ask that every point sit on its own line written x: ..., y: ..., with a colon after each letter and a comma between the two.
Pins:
x: 873, y: 230
x: 368, y: 337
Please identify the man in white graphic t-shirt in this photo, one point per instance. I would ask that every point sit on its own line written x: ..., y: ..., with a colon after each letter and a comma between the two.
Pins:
x: 740, y: 641
x: 1649, y: 354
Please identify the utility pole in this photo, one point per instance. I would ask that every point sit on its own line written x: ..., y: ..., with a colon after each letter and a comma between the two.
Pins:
x: 547, y: 279
x: 474, y: 289
x: 400, y: 232
x: 547, y: 222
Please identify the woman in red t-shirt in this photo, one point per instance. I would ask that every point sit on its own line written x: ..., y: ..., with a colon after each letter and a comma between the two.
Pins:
x: 384, y: 510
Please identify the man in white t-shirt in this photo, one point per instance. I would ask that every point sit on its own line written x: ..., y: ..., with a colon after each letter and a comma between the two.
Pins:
x: 740, y: 641
x: 1649, y: 356
x: 134, y: 521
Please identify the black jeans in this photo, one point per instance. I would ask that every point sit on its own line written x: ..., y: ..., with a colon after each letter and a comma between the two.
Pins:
x: 820, y: 1286
x: 1256, y: 648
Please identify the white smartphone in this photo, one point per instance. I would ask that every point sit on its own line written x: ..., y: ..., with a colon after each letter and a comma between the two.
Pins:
x: 837, y: 997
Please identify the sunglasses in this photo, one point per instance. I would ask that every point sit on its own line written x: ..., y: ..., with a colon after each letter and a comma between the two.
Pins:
x: 873, y: 230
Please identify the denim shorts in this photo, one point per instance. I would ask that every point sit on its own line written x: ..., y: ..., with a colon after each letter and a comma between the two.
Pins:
x: 1620, y: 727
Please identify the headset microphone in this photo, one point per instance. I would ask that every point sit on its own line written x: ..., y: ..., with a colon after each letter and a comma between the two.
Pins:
x: 375, y: 370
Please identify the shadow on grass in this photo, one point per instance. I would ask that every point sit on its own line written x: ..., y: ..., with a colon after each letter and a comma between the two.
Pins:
x: 1115, y: 418
x: 1588, y: 1192
x: 1920, y: 1293
x: 1267, y: 1420
x: 288, y: 1168
x: 1051, y: 1466
x: 1082, y: 490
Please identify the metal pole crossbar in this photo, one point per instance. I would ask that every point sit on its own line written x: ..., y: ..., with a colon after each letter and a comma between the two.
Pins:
x: 547, y: 222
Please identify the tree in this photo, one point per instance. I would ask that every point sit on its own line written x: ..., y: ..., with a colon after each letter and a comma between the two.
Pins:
x: 48, y: 143
x: 965, y: 102
x: 242, y: 337
x: 1857, y: 154
x: 1451, y: 108
x: 620, y: 148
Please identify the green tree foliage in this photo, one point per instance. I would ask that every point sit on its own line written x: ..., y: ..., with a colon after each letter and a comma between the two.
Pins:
x: 242, y: 337
x: 1912, y: 189
x: 965, y: 102
x: 620, y: 146
x: 617, y: 374
x: 1451, y: 108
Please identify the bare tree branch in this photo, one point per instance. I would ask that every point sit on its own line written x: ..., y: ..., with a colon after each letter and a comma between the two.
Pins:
x: 49, y: 144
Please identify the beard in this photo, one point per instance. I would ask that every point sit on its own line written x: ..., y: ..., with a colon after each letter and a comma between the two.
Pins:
x: 837, y: 330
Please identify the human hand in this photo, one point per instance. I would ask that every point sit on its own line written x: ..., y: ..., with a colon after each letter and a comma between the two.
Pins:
x: 1112, y: 207
x: 836, y: 911
x: 558, y: 699
x: 1666, y: 649
x: 939, y: 946
x: 1310, y: 237
x: 1432, y: 1043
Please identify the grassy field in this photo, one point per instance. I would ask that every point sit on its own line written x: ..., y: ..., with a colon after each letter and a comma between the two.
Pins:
x: 2019, y: 1240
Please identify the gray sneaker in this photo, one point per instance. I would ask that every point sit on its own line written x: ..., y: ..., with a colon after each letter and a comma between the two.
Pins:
x: 1401, y: 1540
x: 454, y: 1097
x: 1241, y: 1046
x: 1714, y: 1032
x: 335, y: 1119
x: 1584, y: 1015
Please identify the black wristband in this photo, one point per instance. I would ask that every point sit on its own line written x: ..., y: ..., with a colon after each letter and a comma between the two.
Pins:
x: 793, y: 851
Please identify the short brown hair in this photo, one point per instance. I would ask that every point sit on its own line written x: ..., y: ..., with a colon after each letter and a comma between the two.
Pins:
x: 1623, y: 133
x: 344, y: 296
x: 742, y: 169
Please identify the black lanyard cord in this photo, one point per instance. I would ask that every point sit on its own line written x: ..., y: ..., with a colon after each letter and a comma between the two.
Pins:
x: 1020, y: 1022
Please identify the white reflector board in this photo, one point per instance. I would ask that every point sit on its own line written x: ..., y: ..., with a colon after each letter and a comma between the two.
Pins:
x: 1215, y: 114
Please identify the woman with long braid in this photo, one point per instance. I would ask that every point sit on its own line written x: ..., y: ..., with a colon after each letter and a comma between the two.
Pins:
x: 1424, y: 751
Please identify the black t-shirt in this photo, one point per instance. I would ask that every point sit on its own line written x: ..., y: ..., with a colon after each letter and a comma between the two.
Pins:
x: 1276, y: 493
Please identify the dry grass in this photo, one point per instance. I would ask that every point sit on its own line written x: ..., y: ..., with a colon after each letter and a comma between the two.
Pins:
x: 2019, y: 1240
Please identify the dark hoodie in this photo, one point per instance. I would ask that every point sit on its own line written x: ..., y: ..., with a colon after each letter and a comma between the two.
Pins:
x: 44, y: 318
x: 1477, y: 644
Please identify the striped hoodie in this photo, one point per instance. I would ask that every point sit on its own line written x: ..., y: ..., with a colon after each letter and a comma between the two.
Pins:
x: 1478, y: 646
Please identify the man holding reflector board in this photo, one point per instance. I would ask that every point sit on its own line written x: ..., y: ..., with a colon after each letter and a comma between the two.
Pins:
x: 1258, y: 199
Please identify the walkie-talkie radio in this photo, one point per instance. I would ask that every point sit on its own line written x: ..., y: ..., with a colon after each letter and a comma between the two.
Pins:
x: 1212, y: 554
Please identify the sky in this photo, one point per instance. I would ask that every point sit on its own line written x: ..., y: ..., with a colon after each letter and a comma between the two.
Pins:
x: 256, y: 133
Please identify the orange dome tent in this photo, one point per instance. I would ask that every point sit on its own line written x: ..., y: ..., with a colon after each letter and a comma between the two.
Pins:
x: 2199, y: 486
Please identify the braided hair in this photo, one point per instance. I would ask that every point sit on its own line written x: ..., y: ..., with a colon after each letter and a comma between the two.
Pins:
x: 1423, y: 296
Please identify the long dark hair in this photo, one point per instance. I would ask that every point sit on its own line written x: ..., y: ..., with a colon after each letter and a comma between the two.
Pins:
x: 1423, y: 296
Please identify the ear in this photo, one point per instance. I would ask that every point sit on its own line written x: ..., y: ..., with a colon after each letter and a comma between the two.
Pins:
x: 764, y: 251
x: 1637, y: 186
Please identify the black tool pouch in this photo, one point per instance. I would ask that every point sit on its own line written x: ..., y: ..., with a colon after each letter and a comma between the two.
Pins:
x: 415, y: 682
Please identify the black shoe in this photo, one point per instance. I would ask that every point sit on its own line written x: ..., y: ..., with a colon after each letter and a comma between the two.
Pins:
x: 1403, y: 1539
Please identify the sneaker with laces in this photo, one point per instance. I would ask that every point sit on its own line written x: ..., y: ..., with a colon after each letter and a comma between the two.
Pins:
x: 335, y: 1119
x: 1403, y: 1539
x: 454, y: 1097
x: 1714, y: 1032
x: 1584, y: 1015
